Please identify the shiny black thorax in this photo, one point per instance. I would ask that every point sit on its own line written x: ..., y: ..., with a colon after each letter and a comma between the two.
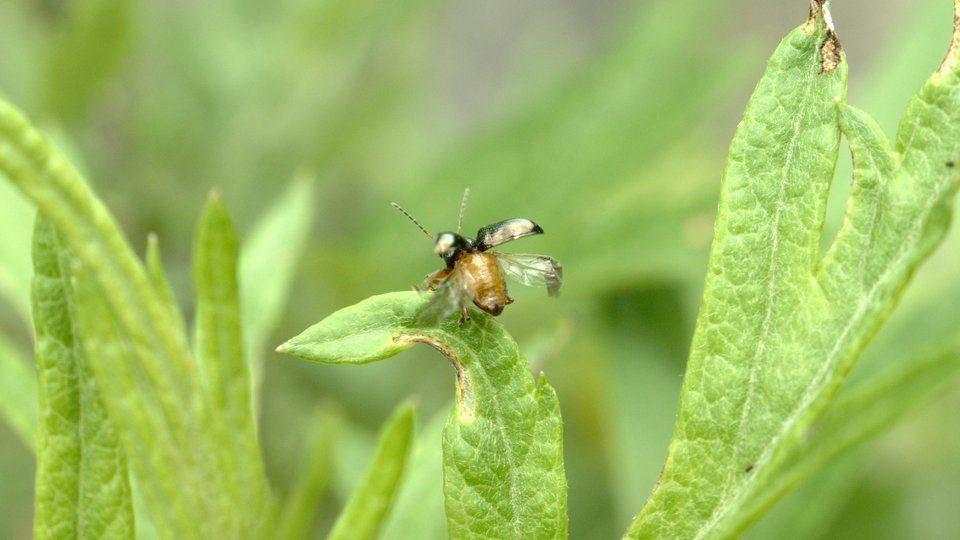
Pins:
x: 448, y: 244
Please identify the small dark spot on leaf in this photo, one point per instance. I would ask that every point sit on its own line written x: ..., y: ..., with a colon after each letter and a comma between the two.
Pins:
x: 748, y: 469
x: 950, y: 163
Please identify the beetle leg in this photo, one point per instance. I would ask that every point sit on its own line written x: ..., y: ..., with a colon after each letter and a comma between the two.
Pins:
x: 433, y: 279
x: 464, y: 316
x: 508, y: 301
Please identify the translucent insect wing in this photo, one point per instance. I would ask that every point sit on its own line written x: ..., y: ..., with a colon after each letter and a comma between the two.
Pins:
x: 533, y: 270
x: 448, y: 297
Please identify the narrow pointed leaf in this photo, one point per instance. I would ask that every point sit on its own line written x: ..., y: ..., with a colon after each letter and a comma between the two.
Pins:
x: 418, y: 509
x: 171, y: 491
x: 220, y: 356
x: 149, y: 380
x: 502, y: 445
x: 82, y: 488
x: 368, y: 505
x: 268, y: 262
x: 152, y: 406
x: 93, y: 236
x: 159, y: 277
x: 736, y: 393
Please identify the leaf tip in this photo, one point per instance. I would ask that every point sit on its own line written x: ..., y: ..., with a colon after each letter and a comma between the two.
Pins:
x: 816, y: 9
x: 281, y: 348
x: 827, y: 17
x: 830, y: 48
x: 408, y: 407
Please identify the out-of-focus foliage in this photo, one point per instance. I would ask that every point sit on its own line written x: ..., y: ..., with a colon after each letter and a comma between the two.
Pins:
x: 616, y: 150
x: 82, y: 482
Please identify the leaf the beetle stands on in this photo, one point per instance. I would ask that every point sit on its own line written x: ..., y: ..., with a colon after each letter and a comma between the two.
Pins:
x: 502, y: 449
x: 267, y: 265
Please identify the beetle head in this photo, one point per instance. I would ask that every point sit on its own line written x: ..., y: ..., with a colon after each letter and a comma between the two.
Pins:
x: 448, y: 244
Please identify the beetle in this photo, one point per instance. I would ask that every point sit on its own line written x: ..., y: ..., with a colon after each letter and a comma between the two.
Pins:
x: 472, y: 273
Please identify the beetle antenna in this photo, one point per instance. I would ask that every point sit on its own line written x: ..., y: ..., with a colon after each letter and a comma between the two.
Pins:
x: 463, y: 208
x: 413, y: 219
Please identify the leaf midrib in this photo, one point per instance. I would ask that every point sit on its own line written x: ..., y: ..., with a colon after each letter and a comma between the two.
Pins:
x: 809, y: 396
x: 724, y: 503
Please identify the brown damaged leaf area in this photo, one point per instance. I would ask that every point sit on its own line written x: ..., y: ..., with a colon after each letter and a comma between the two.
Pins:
x: 830, y: 52
x: 816, y: 7
x: 830, y: 49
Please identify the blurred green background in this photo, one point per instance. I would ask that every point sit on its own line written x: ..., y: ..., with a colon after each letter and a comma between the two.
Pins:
x: 606, y: 122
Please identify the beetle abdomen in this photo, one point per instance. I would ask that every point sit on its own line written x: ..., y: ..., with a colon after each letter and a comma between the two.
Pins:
x: 481, y: 279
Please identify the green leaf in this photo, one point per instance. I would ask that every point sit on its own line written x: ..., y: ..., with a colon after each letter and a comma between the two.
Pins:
x: 139, y: 355
x: 767, y: 234
x: 418, y: 509
x: 160, y: 283
x: 815, y: 506
x: 183, y: 485
x: 268, y: 262
x: 136, y: 407
x: 864, y: 411
x: 502, y: 445
x: 18, y: 393
x: 219, y: 344
x: 47, y: 179
x: 81, y: 488
x: 368, y: 505
x: 153, y: 405
x: 779, y: 330
x: 365, y: 332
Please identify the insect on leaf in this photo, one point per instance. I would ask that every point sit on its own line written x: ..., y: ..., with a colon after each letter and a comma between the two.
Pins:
x: 502, y: 444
